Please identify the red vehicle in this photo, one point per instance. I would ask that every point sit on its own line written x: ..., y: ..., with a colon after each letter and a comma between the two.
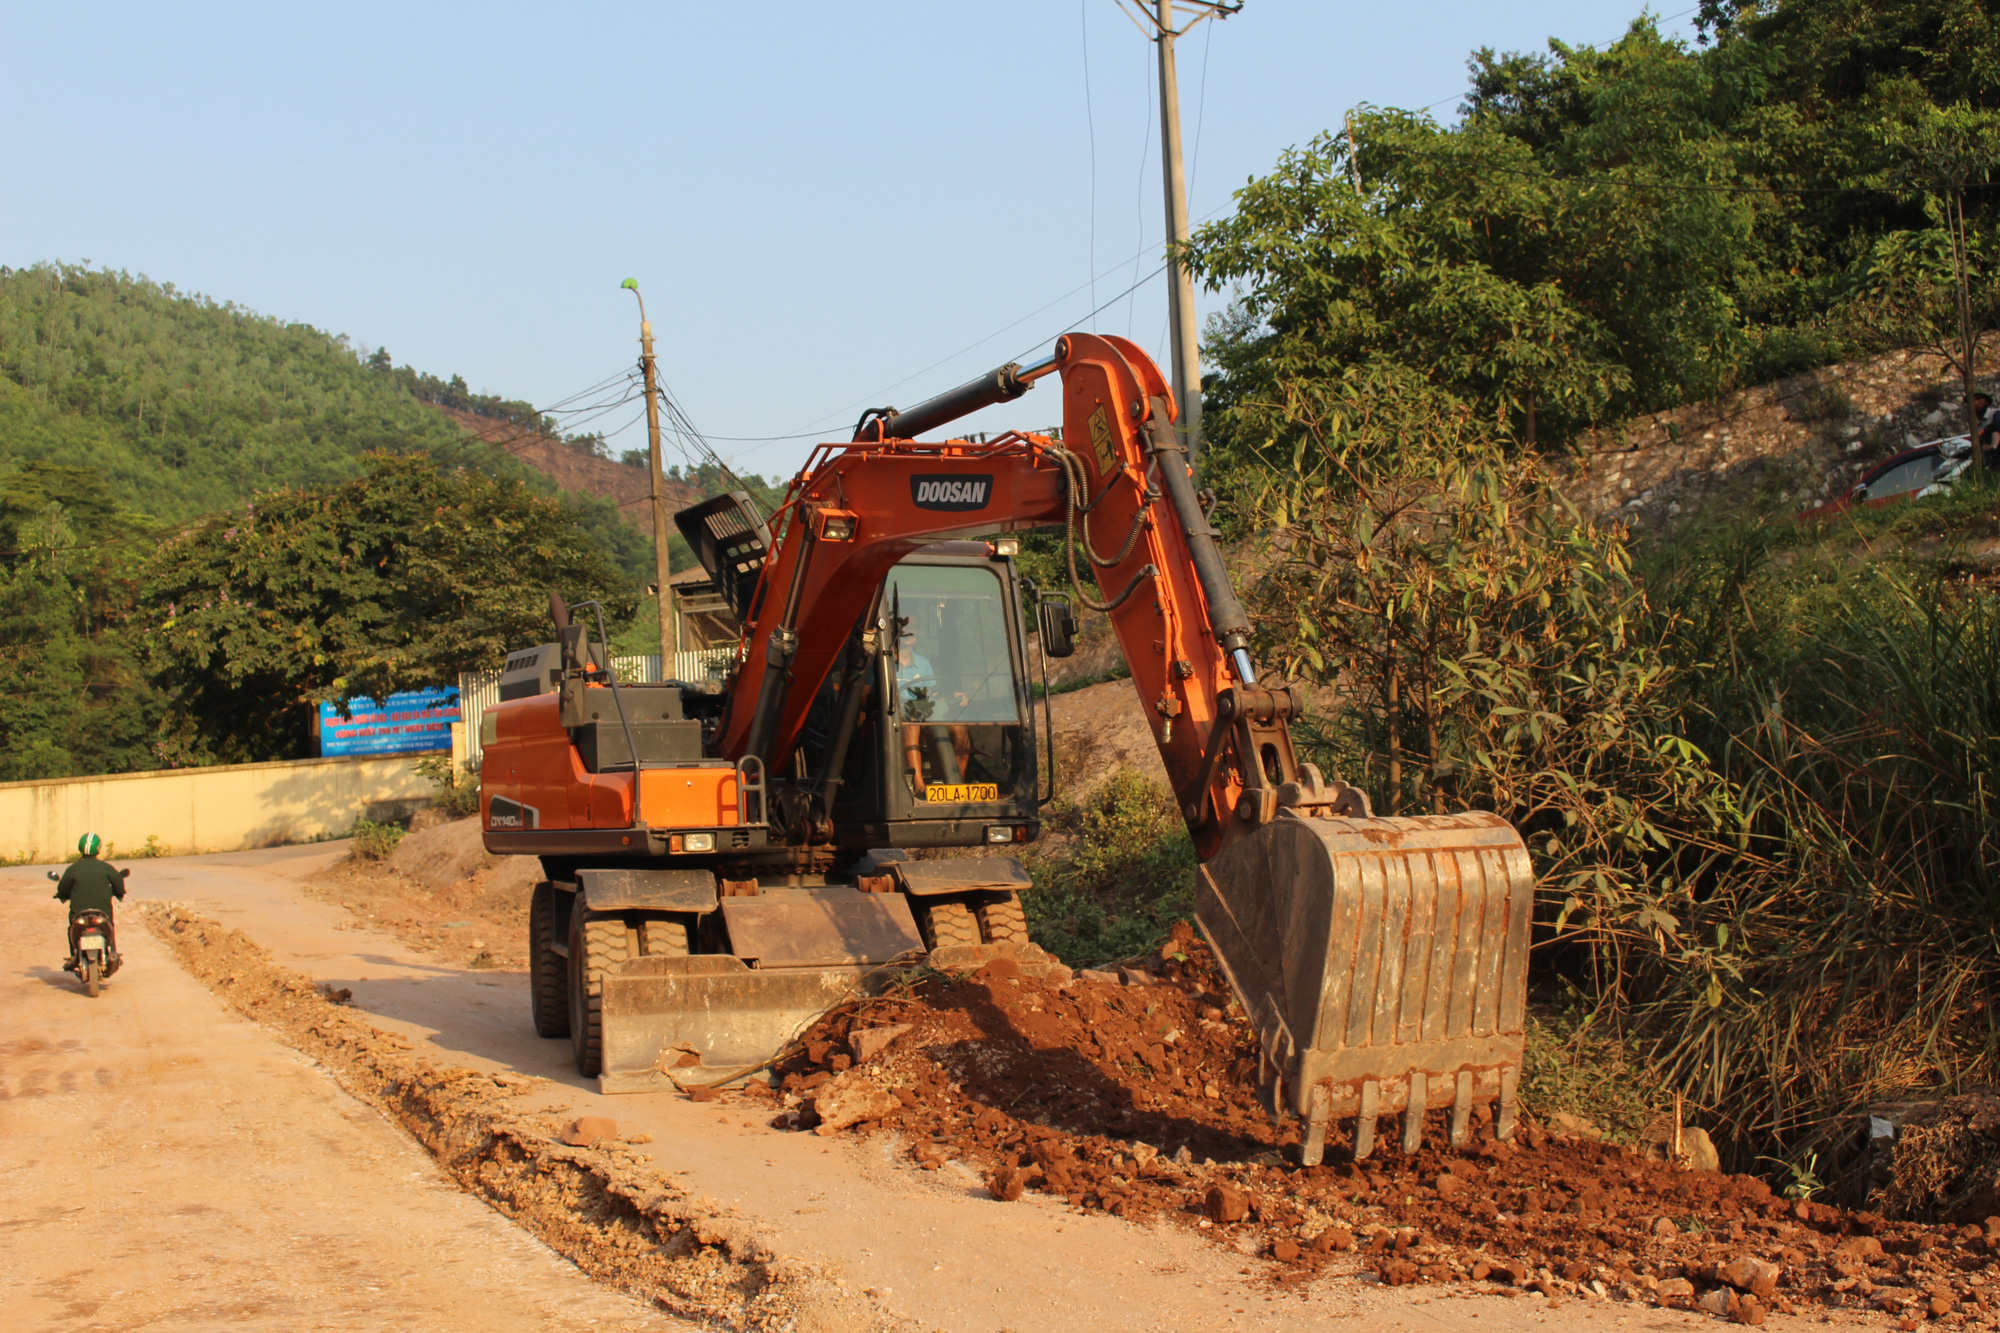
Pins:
x: 725, y: 861
x: 1921, y: 470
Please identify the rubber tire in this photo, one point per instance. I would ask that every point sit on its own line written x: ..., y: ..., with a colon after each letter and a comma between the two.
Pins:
x: 1004, y: 920
x: 548, y: 975
x: 663, y: 937
x: 947, y: 923
x: 91, y: 981
x: 596, y: 950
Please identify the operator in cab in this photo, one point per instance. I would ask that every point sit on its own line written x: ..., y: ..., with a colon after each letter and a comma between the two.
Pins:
x: 91, y: 885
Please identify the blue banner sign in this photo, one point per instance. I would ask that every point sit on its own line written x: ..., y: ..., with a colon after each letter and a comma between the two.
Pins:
x: 412, y: 722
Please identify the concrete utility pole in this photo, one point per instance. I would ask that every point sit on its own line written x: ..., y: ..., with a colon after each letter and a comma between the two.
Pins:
x: 1180, y: 284
x: 670, y: 629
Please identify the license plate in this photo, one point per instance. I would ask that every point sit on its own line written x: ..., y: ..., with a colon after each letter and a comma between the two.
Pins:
x: 91, y: 942
x: 956, y: 793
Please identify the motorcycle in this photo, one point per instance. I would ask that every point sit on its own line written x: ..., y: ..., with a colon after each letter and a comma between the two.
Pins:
x: 91, y: 955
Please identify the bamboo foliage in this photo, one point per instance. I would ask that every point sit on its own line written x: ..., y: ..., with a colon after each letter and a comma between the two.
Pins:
x: 1760, y: 807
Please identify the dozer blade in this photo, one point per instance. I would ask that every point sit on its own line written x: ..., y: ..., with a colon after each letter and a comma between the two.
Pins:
x: 706, y: 1019
x: 710, y: 1019
x: 1383, y: 963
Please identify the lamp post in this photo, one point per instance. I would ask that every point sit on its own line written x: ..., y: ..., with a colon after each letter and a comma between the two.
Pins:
x: 670, y: 630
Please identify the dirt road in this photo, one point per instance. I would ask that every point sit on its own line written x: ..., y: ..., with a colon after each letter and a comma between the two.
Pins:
x: 326, y: 1199
x: 166, y: 1165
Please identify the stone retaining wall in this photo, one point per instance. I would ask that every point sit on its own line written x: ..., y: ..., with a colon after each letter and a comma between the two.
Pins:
x: 1778, y: 448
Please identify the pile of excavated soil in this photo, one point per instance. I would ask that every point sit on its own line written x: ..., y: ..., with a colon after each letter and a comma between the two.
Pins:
x: 592, y: 1198
x: 441, y: 892
x: 1139, y: 1100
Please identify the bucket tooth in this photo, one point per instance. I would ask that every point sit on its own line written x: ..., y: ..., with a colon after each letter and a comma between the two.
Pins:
x: 1413, y: 1112
x: 1508, y: 1079
x: 1461, y: 1110
x: 1313, y: 1151
x: 1364, y: 1127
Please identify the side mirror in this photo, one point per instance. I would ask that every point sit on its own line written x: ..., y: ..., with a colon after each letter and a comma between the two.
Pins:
x: 1058, y: 626
x: 125, y: 874
x: 56, y: 877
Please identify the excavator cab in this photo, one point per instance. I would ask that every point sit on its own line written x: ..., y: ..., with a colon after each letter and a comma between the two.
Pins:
x: 945, y: 743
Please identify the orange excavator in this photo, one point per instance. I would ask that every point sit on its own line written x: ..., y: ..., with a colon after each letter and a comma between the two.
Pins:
x: 727, y: 860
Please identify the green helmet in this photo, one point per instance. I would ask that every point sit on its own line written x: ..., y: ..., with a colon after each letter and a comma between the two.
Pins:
x: 88, y: 844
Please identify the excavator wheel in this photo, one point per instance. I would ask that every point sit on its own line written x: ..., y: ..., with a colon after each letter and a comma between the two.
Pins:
x: 596, y: 950
x: 548, y: 979
x: 947, y: 923
x: 663, y: 937
x: 1003, y: 920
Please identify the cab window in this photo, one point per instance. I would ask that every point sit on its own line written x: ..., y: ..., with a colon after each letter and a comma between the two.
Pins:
x: 952, y: 663
x: 959, y: 736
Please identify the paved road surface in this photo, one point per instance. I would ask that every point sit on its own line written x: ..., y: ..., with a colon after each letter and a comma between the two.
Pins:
x: 165, y: 1165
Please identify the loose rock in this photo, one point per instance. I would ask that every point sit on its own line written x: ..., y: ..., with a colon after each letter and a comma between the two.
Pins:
x: 1332, y: 1240
x: 1397, y: 1272
x: 867, y: 1043
x: 586, y: 1130
x: 848, y: 1100
x: 1753, y: 1275
x: 1225, y: 1204
x: 1007, y: 1183
x: 1698, y: 1151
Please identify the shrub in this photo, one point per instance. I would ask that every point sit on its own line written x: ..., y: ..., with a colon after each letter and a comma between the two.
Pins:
x: 457, y: 791
x: 1857, y: 708
x: 374, y: 842
x: 1491, y: 650
x: 1821, y: 401
x: 1119, y: 872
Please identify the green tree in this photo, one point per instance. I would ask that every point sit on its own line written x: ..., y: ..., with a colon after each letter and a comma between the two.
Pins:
x: 1546, y: 288
x: 398, y: 580
x: 71, y: 700
x: 1951, y: 306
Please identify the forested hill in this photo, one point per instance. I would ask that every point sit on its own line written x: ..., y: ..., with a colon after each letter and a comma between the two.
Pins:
x: 183, y: 406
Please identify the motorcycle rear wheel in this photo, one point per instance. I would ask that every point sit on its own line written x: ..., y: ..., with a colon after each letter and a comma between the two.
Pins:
x: 92, y: 982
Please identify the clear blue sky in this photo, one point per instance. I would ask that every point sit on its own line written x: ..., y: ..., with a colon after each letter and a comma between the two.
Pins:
x: 820, y: 201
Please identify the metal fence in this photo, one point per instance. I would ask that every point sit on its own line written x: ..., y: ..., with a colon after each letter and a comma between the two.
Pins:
x: 480, y: 690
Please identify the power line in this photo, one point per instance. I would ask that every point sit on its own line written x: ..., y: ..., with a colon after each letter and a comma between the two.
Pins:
x: 1090, y: 119
x: 1668, y: 19
x: 1107, y: 305
x: 813, y: 427
x: 1627, y: 183
x: 1139, y: 203
x: 873, y: 397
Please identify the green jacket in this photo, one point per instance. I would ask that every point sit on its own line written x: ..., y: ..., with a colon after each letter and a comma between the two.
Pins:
x: 89, y: 885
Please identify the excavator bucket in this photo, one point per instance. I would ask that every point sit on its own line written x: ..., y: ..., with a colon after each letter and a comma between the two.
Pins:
x: 1383, y: 963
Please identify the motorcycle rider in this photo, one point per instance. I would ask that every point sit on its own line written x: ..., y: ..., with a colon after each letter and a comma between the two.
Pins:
x: 90, y: 885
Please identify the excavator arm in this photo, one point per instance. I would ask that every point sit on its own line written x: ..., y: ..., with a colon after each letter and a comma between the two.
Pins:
x: 1382, y: 961
x: 1128, y: 496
